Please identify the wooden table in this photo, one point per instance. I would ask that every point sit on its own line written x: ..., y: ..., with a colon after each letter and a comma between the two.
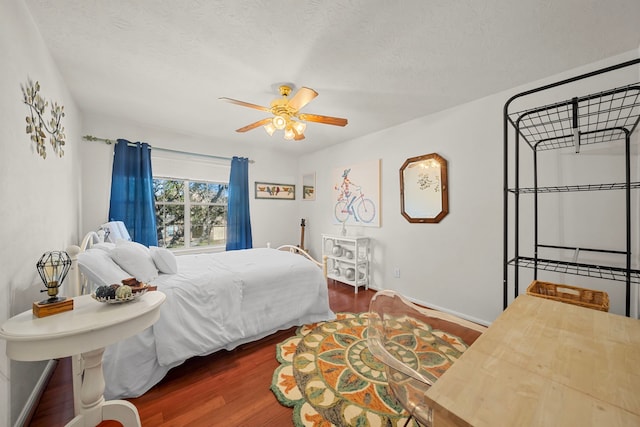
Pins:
x: 85, y: 331
x: 545, y: 363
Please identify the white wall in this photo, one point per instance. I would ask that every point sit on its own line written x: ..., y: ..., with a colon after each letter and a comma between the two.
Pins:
x: 455, y: 265
x: 40, y: 198
x: 273, y: 221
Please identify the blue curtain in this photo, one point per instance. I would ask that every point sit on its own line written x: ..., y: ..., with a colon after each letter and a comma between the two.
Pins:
x: 238, y: 220
x: 132, y: 191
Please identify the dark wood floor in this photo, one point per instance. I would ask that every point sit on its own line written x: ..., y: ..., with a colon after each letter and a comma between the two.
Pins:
x: 227, y: 388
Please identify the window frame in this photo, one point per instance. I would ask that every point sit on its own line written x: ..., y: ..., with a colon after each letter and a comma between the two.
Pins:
x: 187, y: 205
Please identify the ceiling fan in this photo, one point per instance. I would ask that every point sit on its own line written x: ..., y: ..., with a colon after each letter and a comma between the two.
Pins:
x: 287, y: 115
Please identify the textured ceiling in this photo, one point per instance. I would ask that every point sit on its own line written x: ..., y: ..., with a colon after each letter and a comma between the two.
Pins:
x: 378, y: 63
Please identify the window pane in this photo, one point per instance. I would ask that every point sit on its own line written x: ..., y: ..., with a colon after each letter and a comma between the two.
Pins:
x: 168, y: 190
x: 206, y: 205
x: 208, y: 225
x: 208, y: 192
x: 170, y: 225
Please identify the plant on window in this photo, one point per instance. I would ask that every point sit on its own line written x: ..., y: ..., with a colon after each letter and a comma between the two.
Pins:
x: 37, y: 124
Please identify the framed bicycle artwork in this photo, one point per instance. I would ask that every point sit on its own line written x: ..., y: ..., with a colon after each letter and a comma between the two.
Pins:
x: 357, y: 194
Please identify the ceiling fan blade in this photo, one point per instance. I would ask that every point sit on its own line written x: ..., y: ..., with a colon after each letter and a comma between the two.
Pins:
x: 245, y: 104
x: 336, y: 121
x: 302, y: 98
x: 254, y: 125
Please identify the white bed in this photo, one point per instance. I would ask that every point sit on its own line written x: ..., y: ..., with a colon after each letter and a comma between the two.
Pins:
x: 214, y: 301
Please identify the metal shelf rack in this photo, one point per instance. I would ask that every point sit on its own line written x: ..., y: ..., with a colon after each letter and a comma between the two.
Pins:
x: 603, y: 117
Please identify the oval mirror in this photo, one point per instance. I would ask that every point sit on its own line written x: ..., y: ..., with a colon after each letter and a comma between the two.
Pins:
x: 423, y: 189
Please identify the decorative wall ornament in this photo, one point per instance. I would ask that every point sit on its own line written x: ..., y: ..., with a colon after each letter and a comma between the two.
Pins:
x: 37, y: 124
x: 265, y: 190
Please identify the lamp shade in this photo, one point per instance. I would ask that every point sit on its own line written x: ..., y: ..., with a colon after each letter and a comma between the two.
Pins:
x: 289, y: 134
x: 53, y: 268
x: 269, y: 128
x: 299, y: 127
x: 279, y: 122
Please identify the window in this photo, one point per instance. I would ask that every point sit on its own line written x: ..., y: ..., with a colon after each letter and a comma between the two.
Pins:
x: 190, y: 213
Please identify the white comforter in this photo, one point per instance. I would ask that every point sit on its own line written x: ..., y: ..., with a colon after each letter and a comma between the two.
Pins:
x: 217, y: 301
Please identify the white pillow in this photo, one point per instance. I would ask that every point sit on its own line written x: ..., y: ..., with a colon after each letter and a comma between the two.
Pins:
x: 164, y: 259
x: 105, y: 246
x: 136, y: 259
x: 99, y: 269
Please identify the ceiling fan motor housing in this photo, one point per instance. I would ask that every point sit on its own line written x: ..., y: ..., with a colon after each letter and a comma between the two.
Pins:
x: 281, y: 107
x: 285, y: 90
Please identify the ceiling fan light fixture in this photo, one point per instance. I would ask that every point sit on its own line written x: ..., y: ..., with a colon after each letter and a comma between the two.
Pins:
x: 279, y: 122
x: 270, y: 128
x: 285, y: 114
x: 299, y: 127
x: 289, y: 133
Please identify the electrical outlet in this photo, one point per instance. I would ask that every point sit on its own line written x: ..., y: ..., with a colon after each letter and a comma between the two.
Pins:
x: 396, y: 272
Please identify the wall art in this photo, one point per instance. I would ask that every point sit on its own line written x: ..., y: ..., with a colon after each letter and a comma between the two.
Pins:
x: 37, y: 125
x: 266, y: 190
x: 356, y: 189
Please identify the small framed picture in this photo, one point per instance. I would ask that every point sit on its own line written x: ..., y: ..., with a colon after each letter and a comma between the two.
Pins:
x: 308, y: 192
x: 267, y: 190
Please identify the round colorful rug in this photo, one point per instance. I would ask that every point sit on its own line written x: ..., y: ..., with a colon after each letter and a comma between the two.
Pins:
x: 330, y: 378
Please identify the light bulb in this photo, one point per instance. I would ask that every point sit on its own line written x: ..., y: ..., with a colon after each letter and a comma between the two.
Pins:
x: 279, y: 122
x: 270, y: 128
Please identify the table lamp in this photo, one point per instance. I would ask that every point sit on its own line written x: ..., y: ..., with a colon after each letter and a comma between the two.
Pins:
x: 53, y: 268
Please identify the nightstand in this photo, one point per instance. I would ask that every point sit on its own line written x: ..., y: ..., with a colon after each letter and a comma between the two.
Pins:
x: 85, y: 331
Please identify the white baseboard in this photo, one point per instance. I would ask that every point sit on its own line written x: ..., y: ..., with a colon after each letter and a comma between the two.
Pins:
x: 443, y: 309
x: 34, y: 397
x: 452, y: 312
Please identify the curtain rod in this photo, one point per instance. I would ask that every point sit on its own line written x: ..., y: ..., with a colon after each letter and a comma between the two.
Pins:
x: 168, y: 150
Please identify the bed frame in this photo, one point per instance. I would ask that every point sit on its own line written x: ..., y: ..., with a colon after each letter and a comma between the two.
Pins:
x: 297, y: 250
x: 76, y: 284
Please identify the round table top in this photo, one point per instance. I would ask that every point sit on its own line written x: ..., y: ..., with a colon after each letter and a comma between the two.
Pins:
x: 90, y: 325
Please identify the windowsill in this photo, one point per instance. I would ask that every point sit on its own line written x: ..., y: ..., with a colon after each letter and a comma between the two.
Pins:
x: 199, y: 250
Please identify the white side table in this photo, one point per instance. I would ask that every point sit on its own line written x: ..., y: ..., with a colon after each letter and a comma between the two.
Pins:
x: 350, y: 264
x: 86, y: 330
